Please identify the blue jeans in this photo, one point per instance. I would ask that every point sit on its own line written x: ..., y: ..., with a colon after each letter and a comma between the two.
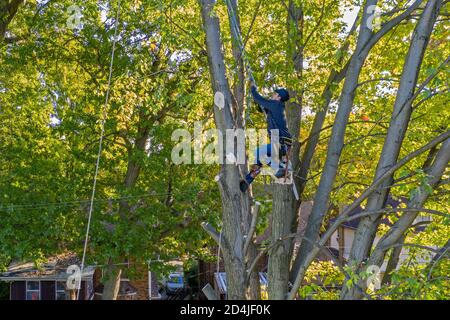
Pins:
x: 261, y: 152
x: 266, y: 151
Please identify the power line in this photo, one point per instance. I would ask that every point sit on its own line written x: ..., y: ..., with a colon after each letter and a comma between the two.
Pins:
x: 44, y: 205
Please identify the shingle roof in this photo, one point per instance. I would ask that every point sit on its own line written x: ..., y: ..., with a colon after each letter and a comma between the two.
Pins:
x: 54, y: 268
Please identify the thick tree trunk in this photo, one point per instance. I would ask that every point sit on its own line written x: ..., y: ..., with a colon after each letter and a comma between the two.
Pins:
x: 8, y: 9
x: 235, y: 204
x: 111, y: 282
x: 399, y: 123
x: 283, y: 215
x: 253, y: 290
x: 285, y: 205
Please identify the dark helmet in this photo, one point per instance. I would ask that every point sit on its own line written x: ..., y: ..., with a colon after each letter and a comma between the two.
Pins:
x: 284, y: 94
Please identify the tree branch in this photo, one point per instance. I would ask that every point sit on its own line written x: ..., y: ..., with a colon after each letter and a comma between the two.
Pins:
x: 251, y: 231
x: 312, y: 254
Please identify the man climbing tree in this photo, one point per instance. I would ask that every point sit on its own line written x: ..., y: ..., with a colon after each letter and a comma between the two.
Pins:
x: 276, y: 120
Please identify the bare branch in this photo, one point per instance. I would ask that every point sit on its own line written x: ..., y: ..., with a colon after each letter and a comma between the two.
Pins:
x: 252, y: 227
x: 312, y: 254
x: 211, y: 231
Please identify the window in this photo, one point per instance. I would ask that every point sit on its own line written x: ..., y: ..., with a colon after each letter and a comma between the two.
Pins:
x: 60, y: 290
x: 33, y: 290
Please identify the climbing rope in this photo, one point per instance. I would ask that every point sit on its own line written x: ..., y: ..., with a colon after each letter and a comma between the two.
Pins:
x: 102, y: 125
x: 238, y: 36
x: 218, y: 252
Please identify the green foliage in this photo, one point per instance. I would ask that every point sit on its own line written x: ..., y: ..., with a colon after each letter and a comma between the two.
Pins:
x: 323, y: 279
x: 53, y: 81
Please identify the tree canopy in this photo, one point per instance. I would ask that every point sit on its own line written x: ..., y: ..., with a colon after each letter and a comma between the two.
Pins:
x: 354, y: 81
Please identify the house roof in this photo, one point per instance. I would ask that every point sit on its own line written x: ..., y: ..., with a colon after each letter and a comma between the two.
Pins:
x: 55, y: 268
x: 322, y: 256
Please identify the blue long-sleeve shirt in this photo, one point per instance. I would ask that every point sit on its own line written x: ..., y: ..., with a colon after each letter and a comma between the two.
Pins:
x: 276, y: 115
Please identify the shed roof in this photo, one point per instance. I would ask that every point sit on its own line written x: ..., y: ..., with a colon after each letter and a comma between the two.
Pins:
x: 221, y: 281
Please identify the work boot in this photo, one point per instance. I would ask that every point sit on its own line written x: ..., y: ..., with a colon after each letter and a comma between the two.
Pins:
x: 254, y: 171
x: 243, y: 185
x: 280, y: 173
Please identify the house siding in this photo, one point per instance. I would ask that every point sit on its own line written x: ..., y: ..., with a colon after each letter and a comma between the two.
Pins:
x: 48, y: 290
x: 18, y: 290
x: 82, y: 291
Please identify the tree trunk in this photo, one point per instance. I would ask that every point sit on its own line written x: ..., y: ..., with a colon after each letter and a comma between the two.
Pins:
x: 111, y: 282
x: 367, y: 228
x: 285, y: 205
x: 253, y: 290
x: 8, y: 10
x: 336, y: 142
x: 280, y: 255
x: 235, y: 204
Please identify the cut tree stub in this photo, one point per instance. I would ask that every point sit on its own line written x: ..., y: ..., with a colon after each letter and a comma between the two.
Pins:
x: 219, y: 100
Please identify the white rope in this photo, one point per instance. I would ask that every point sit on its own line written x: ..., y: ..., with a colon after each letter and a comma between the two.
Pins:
x: 104, y: 114
x: 237, y: 34
x: 218, y: 253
